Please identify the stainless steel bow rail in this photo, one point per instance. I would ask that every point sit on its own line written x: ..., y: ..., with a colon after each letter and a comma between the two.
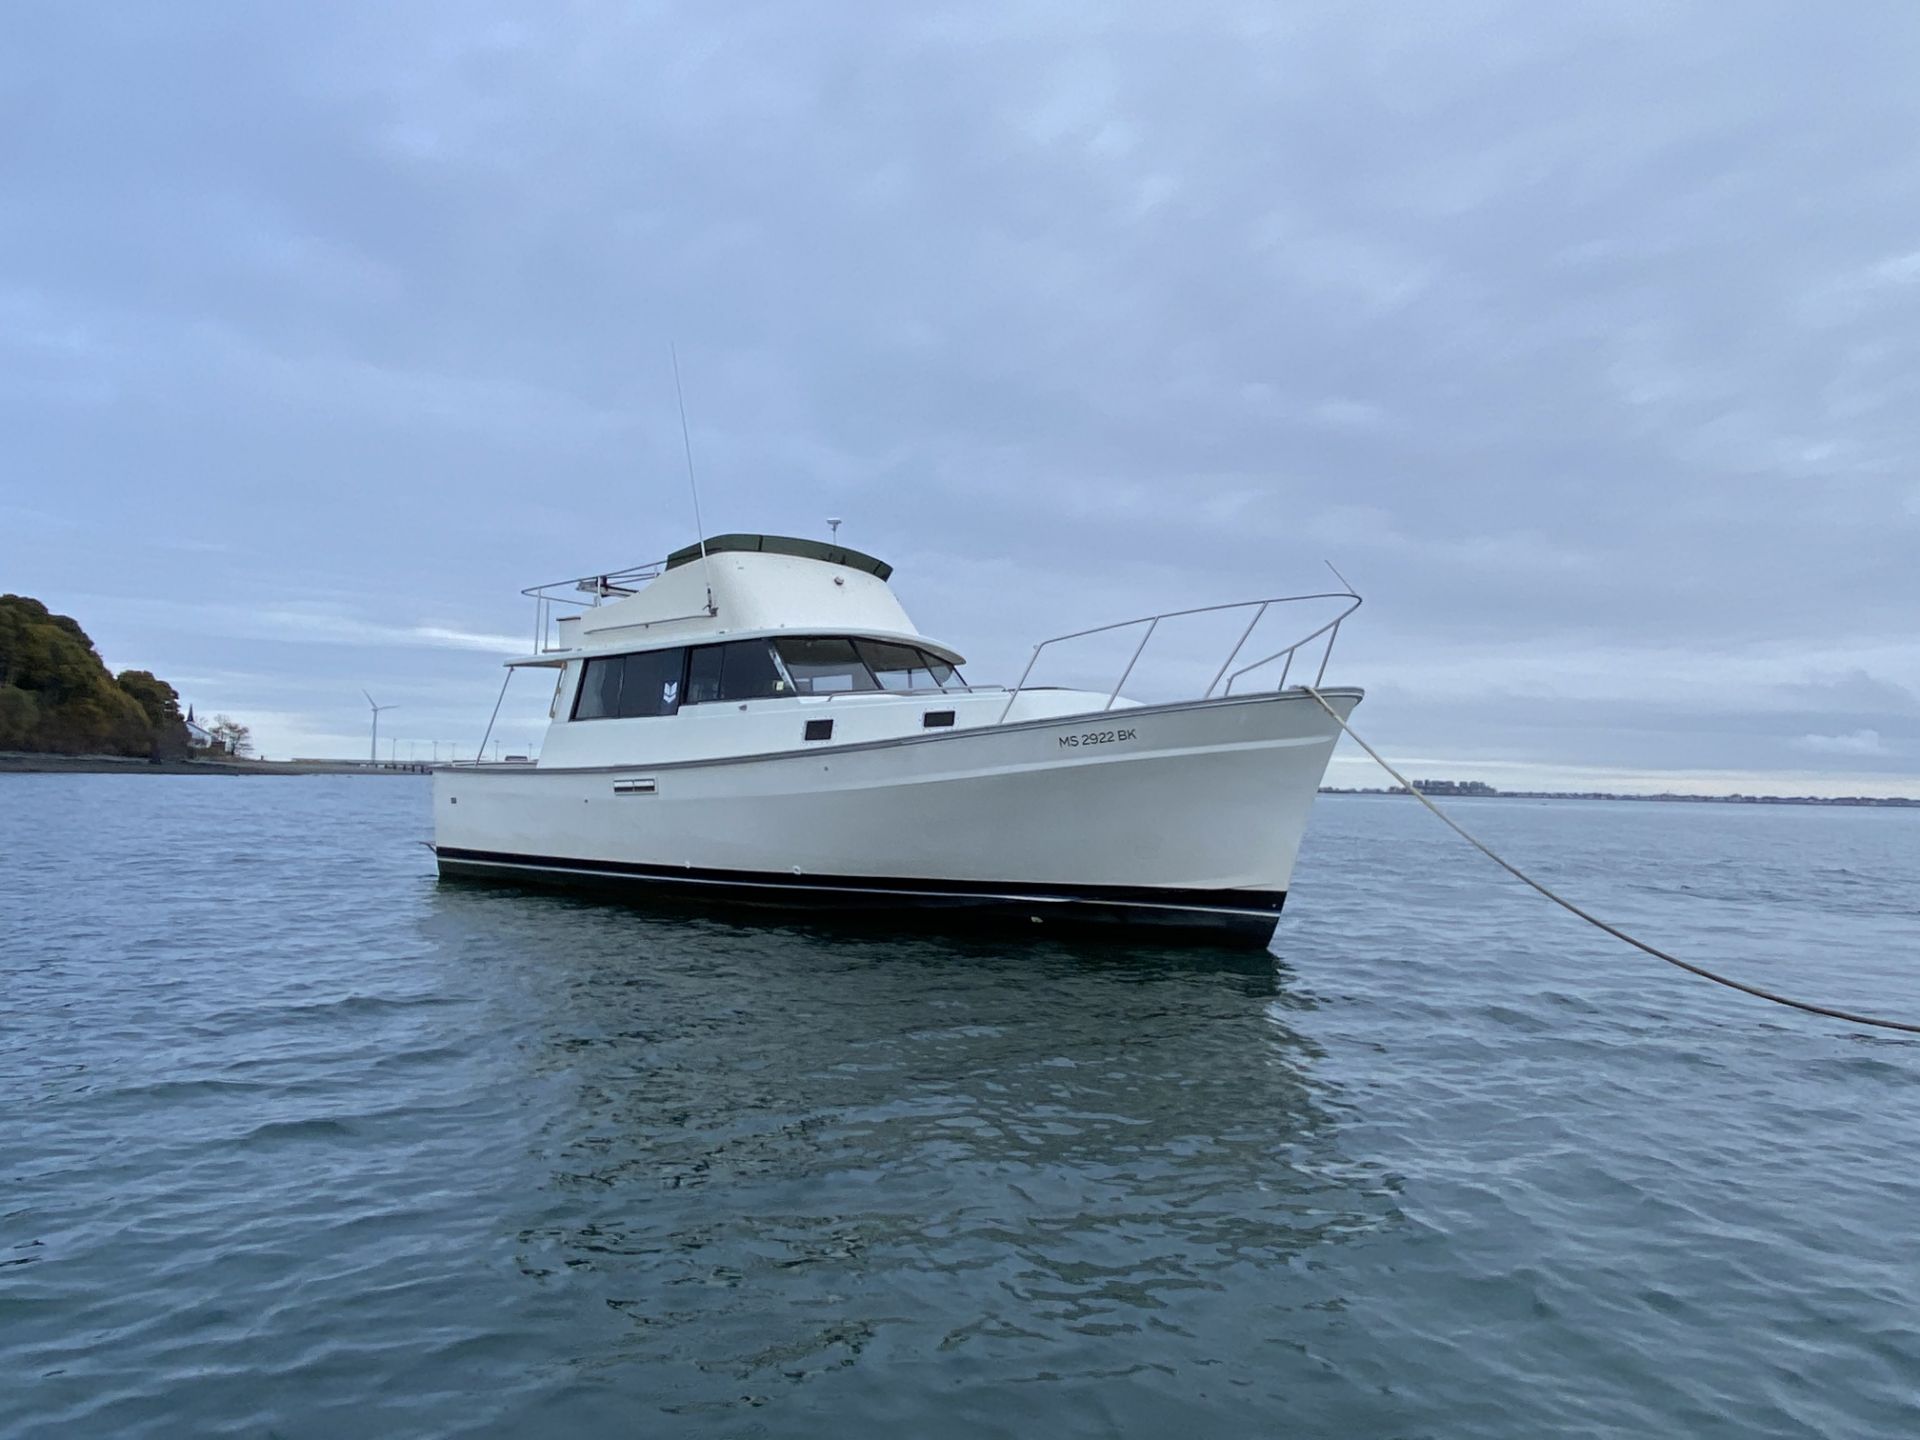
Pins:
x: 1330, y: 630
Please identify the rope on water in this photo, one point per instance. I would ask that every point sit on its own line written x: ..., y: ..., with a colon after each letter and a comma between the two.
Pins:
x: 1614, y: 930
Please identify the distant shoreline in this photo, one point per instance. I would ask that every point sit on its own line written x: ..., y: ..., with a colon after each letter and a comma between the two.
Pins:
x: 20, y: 763
x: 1450, y: 792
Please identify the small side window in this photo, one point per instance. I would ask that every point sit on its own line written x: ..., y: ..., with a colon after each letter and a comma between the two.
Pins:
x: 737, y: 670
x: 650, y: 684
x: 599, y: 696
x: 751, y: 673
x: 629, y: 686
x: 703, y: 674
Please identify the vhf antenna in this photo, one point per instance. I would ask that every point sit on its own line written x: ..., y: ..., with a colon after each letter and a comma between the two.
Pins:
x: 686, y: 439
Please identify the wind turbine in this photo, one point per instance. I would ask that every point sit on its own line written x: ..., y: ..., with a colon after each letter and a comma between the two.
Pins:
x: 373, y: 752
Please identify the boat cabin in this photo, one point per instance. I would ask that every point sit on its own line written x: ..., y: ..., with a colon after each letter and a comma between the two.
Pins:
x: 751, y: 622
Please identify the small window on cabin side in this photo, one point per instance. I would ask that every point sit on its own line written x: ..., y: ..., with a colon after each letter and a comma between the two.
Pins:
x: 751, y: 672
x: 650, y: 682
x: 737, y: 670
x: 599, y: 690
x: 824, y: 665
x: 704, y: 664
x: 904, y: 667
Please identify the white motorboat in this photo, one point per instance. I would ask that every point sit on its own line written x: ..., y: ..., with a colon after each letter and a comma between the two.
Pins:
x: 756, y: 720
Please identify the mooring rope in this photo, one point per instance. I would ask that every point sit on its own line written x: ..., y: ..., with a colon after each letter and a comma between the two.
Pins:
x: 1614, y: 930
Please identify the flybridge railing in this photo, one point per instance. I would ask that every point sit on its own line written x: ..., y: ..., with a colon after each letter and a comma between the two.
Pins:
x: 548, y: 598
x: 1330, y: 631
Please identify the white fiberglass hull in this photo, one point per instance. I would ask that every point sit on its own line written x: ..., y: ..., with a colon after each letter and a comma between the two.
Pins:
x: 1184, y: 819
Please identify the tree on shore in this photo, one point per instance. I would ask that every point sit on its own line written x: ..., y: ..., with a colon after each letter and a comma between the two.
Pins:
x: 236, y: 737
x: 56, y: 696
x: 161, y: 704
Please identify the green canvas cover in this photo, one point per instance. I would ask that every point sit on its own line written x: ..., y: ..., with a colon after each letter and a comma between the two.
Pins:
x: 784, y: 545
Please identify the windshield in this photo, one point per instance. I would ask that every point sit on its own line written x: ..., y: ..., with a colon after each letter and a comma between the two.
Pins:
x: 904, y: 667
x: 824, y: 665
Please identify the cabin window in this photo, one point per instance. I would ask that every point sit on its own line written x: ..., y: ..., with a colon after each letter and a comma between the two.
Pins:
x: 738, y: 670
x: 903, y: 667
x: 599, y: 697
x: 824, y: 665
x: 631, y: 686
x: 650, y: 682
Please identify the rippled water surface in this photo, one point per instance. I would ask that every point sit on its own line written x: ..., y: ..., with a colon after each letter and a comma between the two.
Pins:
x: 294, y: 1141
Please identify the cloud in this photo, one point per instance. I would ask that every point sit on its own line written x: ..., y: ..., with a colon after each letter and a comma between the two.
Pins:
x: 1898, y: 269
x: 334, y: 628
x: 1857, y: 742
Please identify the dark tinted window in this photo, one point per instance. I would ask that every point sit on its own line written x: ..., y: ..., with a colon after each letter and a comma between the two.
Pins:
x: 620, y: 686
x: 752, y: 672
x: 703, y: 673
x: 824, y: 665
x: 599, y: 690
x: 650, y: 684
x: 903, y: 667
x: 738, y: 670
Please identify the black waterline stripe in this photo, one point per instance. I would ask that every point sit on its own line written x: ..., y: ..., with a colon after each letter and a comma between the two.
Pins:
x: 1257, y: 902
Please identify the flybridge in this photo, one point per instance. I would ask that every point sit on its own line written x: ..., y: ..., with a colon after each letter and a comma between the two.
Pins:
x: 611, y: 583
x: 741, y: 583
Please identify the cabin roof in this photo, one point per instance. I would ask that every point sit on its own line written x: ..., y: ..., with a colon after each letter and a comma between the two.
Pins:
x: 751, y: 586
x: 784, y: 545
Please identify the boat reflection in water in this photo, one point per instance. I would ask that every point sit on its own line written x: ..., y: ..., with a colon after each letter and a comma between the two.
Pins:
x: 777, y: 1152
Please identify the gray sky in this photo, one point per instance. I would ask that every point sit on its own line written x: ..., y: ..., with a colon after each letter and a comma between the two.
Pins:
x: 1582, y: 338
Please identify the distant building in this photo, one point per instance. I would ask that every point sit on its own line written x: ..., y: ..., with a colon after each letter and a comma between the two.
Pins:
x: 1454, y: 787
x: 198, y: 736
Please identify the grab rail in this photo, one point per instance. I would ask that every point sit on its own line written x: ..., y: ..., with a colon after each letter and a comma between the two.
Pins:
x: 1259, y: 607
x: 554, y: 593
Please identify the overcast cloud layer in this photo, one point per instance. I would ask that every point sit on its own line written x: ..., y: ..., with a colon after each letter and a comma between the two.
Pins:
x: 1584, y: 340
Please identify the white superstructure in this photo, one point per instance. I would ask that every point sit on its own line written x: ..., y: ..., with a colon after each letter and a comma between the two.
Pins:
x: 763, y: 723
